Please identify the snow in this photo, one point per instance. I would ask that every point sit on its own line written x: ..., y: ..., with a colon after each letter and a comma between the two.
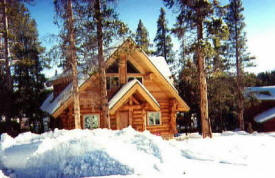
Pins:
x: 258, y: 92
x: 160, y: 63
x: 130, y: 154
x: 265, y: 116
x: 51, y: 104
x: 125, y: 89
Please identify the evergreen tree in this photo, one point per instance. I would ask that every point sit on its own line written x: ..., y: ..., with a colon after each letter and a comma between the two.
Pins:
x: 99, y: 27
x: 142, y: 38
x: 64, y: 10
x: 25, y: 60
x: 238, y: 51
x: 163, y: 39
x: 201, y: 16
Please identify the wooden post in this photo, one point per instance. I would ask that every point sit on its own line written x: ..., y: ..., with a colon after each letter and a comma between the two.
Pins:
x: 144, y: 116
x: 173, y: 107
x: 131, y: 111
x: 122, y: 70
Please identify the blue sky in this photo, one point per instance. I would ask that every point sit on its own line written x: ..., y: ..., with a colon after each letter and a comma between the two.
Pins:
x: 259, y: 18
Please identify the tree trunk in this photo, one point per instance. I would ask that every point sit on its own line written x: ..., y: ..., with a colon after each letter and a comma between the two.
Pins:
x: 7, y: 60
x: 73, y: 63
x: 205, y: 122
x: 240, y: 101
x: 101, y: 63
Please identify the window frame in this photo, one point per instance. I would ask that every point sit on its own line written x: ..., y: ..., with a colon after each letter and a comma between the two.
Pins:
x: 110, y: 83
x: 91, y: 114
x: 148, y: 121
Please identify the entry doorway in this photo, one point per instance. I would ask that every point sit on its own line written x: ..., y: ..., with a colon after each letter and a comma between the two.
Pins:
x: 123, y: 119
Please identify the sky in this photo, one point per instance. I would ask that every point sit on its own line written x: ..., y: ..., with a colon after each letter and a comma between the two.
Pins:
x: 259, y: 19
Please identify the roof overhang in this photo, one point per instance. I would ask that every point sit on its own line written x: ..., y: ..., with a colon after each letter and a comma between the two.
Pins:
x: 265, y: 116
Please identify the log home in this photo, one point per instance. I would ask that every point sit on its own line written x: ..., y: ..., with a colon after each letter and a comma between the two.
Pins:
x: 140, y: 92
x: 262, y: 114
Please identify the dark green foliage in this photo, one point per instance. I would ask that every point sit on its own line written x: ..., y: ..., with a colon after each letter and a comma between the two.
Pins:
x: 28, y: 79
x: 28, y: 90
x: 163, y: 40
x: 142, y: 38
x: 266, y: 78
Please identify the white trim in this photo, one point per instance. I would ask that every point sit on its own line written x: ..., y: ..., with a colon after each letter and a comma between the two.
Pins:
x: 147, y: 117
x: 91, y: 114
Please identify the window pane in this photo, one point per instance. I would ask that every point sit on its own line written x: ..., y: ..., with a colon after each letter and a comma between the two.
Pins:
x: 153, y: 118
x: 115, y: 82
x: 113, y: 68
x: 91, y: 121
x: 108, y: 83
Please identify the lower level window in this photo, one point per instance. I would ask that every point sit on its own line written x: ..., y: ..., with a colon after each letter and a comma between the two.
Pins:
x: 91, y: 121
x: 153, y: 118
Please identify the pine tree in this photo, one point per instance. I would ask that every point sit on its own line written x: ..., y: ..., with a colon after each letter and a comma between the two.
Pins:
x: 200, y: 17
x: 163, y: 39
x: 238, y: 51
x: 64, y: 10
x: 99, y: 32
x: 99, y: 27
x: 5, y: 56
x: 25, y: 63
x: 142, y: 38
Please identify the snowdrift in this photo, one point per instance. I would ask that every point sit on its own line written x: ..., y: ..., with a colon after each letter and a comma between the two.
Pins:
x: 127, y: 153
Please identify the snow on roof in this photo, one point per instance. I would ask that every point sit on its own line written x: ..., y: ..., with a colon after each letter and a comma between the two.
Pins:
x: 125, y: 89
x: 51, y: 104
x: 161, y: 64
x: 265, y: 116
x: 262, y: 93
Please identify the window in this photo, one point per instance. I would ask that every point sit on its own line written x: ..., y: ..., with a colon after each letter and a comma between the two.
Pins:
x: 113, y: 68
x: 112, y: 82
x: 131, y: 68
x: 132, y: 78
x: 153, y: 118
x: 91, y: 121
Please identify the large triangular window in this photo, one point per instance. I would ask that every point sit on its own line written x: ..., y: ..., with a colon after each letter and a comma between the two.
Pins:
x: 131, y: 68
x: 113, y: 68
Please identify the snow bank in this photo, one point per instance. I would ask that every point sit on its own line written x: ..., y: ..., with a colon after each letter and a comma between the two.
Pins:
x: 131, y: 154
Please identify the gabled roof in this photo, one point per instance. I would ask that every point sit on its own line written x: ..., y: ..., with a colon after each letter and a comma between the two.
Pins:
x: 262, y: 93
x: 51, y: 104
x: 127, y: 90
x: 157, y: 64
x: 265, y: 116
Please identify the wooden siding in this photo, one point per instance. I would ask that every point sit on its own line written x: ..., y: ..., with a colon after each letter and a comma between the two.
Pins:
x: 154, y: 82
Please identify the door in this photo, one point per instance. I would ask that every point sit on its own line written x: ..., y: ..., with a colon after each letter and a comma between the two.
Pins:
x: 123, y: 119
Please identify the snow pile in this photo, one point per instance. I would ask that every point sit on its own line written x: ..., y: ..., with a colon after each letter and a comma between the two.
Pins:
x: 127, y: 153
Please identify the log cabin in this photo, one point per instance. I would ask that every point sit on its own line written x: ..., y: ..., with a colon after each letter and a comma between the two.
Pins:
x: 262, y: 114
x: 140, y: 94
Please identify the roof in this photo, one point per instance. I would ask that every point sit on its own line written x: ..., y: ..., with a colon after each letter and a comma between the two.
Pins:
x: 265, y: 116
x: 107, y: 53
x: 127, y: 90
x: 262, y: 93
x: 160, y: 68
x: 160, y: 63
x: 51, y: 104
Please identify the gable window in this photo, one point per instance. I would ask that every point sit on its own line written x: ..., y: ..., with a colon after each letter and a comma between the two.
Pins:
x: 91, y: 121
x: 113, y: 68
x: 112, y: 82
x: 132, y: 78
x: 131, y: 68
x: 153, y: 118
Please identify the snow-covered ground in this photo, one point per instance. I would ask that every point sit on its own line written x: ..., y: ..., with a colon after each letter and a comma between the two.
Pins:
x: 130, y: 154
